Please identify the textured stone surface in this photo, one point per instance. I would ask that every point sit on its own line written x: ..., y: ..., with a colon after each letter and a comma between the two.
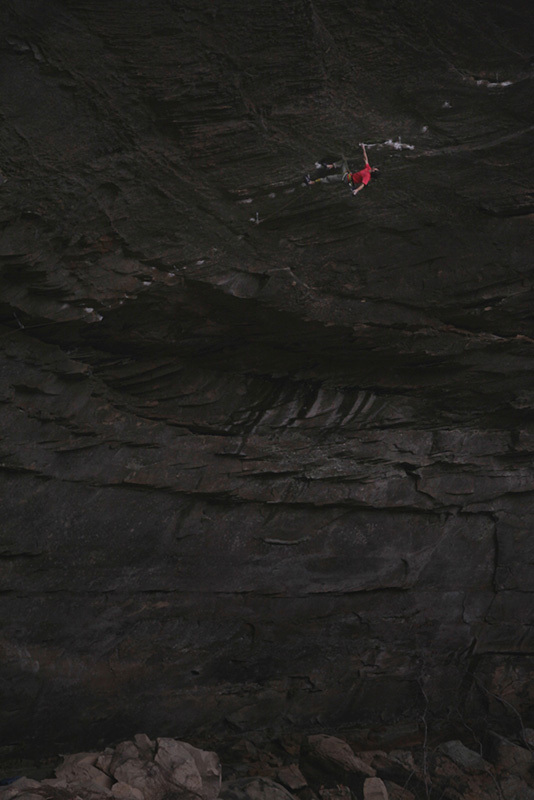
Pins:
x: 510, y: 758
x: 463, y: 757
x: 291, y: 777
x: 396, y: 792
x: 375, y: 789
x: 397, y: 765
x: 267, y: 452
x: 158, y: 771
x: 254, y: 789
x: 333, y: 757
x: 135, y: 770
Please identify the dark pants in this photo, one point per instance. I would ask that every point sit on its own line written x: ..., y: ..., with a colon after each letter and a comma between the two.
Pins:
x: 334, y: 175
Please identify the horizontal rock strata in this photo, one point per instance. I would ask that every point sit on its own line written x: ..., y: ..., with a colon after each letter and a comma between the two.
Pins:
x: 267, y: 452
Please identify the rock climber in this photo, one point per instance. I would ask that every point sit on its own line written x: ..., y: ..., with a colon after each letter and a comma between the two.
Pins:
x: 356, y: 180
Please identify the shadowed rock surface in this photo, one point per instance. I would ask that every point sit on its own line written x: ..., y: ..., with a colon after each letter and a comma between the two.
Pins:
x: 267, y: 452
x: 165, y: 769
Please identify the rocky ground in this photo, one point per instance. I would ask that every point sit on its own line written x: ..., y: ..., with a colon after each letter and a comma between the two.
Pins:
x: 267, y: 450
x: 293, y: 767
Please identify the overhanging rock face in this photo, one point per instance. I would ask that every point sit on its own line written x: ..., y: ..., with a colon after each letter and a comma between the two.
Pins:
x: 267, y: 453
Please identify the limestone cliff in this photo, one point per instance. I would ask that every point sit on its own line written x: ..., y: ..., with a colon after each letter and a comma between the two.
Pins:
x: 267, y: 449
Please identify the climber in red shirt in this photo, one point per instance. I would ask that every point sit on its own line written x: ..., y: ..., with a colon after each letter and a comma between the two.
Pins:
x: 356, y: 180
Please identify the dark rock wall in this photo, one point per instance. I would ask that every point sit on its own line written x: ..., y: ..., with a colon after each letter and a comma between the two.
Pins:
x: 267, y: 450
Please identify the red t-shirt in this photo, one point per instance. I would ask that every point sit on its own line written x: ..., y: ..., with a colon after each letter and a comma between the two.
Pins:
x: 363, y: 176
